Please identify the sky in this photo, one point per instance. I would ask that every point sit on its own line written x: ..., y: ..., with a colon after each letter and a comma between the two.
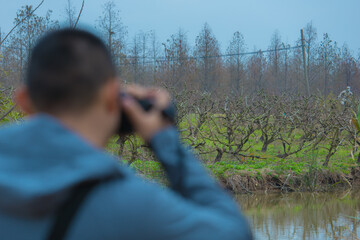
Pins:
x: 257, y: 20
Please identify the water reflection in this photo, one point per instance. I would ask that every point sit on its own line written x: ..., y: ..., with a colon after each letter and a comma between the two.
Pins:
x: 303, y: 215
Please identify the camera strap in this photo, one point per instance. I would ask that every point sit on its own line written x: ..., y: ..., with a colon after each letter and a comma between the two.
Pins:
x: 67, y: 211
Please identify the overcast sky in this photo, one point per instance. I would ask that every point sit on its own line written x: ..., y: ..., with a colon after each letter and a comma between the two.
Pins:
x: 255, y: 19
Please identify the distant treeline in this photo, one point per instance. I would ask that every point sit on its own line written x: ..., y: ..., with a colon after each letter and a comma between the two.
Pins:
x: 201, y: 66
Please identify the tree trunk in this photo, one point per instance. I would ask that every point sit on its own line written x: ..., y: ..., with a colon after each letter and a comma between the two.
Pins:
x: 327, y: 159
x: 121, y: 142
x: 264, y: 147
x: 358, y: 159
x: 134, y: 156
x: 219, y: 155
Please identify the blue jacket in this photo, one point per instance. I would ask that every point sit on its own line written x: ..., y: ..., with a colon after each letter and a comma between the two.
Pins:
x: 41, y: 160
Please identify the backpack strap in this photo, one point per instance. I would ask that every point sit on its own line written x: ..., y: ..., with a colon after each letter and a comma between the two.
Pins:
x: 67, y: 211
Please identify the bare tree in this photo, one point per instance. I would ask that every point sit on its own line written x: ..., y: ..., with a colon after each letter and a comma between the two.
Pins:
x: 143, y: 38
x: 310, y: 33
x: 135, y: 59
x: 274, y: 58
x: 347, y: 66
x: 179, y: 66
x: 30, y: 28
x: 206, y: 50
x: 327, y: 53
x: 177, y: 53
x: 286, y: 57
x: 20, y: 22
x: 266, y: 108
x: 235, y: 61
x: 114, y: 31
x: 256, y: 68
x: 154, y: 53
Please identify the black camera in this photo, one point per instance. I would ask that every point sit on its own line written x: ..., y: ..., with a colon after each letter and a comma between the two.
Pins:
x: 126, y: 127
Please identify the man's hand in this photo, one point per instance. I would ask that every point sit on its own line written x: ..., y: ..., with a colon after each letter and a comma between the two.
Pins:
x: 146, y: 124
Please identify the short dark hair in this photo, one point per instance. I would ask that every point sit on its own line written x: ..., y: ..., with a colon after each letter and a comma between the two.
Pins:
x: 66, y: 69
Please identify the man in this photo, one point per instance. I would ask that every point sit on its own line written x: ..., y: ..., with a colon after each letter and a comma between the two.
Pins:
x: 72, y: 96
x: 345, y: 96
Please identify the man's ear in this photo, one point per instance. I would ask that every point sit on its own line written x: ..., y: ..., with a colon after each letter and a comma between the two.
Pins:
x: 111, y: 95
x: 23, y: 100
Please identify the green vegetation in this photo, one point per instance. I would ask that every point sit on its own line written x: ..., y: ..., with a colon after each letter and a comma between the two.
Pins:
x: 303, y: 166
x: 7, y: 106
x: 286, y: 143
x: 230, y: 144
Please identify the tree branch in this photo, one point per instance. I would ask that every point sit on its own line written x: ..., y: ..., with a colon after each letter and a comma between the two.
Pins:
x: 80, y: 12
x: 21, y: 22
x: 8, y: 112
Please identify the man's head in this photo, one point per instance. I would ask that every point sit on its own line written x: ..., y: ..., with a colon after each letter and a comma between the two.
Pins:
x: 71, y: 73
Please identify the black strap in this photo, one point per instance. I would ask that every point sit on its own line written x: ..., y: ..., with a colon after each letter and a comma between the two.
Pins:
x: 69, y: 208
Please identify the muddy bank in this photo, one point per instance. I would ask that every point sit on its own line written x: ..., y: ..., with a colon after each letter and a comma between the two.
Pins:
x: 321, y: 180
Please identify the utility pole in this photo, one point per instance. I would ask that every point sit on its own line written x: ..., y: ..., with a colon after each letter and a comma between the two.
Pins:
x: 304, y: 60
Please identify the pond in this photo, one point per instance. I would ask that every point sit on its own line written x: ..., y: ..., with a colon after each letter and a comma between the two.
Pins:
x: 303, y: 215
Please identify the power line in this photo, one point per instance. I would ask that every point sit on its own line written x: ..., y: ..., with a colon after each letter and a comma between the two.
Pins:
x: 221, y: 55
x: 155, y: 60
x: 164, y: 59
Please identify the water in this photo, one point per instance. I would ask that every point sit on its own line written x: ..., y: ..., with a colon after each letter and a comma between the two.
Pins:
x: 303, y: 215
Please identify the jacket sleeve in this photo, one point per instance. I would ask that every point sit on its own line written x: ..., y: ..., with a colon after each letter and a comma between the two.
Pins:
x: 197, y: 204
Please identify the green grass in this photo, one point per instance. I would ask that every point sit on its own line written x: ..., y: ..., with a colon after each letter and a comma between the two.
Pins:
x: 141, y: 159
x: 298, y: 164
x: 271, y: 166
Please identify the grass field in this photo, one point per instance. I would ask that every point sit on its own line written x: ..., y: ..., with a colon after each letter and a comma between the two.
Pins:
x: 266, y: 171
x: 248, y: 170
